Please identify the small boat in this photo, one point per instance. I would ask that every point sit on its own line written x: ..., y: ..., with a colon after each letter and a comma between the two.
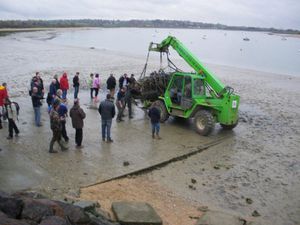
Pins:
x: 283, y: 39
x: 246, y: 39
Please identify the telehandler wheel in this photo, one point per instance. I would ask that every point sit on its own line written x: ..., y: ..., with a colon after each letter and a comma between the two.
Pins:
x: 204, y: 122
x: 164, y: 115
x: 229, y: 127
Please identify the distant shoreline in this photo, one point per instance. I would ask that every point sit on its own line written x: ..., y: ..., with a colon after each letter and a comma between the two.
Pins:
x: 134, y: 23
x: 6, y: 31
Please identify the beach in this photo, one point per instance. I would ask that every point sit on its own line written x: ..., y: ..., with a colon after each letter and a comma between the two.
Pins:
x: 258, y: 160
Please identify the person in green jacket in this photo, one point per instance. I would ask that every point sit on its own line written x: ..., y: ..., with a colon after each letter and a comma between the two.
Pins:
x: 90, y: 84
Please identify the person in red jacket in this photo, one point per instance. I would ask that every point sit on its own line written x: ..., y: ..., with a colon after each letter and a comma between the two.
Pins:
x: 3, y: 96
x: 64, y: 85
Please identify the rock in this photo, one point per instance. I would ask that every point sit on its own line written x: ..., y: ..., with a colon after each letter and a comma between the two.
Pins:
x: 216, y: 167
x: 255, y: 213
x: 2, y: 215
x: 99, y: 213
x: 53, y: 220
x: 29, y: 194
x: 194, y: 181
x: 87, y: 206
x: 74, y: 213
x: 243, y: 119
x: 192, y: 187
x: 126, y: 163
x: 4, y: 220
x: 36, y: 209
x: 11, y: 206
x: 133, y: 213
x: 103, y: 214
x: 249, y: 200
x: 9, y: 221
x: 203, y: 208
x: 219, y: 218
x: 100, y: 221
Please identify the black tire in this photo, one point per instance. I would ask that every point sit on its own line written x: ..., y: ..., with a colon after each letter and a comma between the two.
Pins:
x: 229, y: 127
x: 204, y: 122
x: 164, y: 115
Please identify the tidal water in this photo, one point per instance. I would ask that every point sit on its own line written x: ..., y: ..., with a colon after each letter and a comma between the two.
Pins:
x: 262, y: 52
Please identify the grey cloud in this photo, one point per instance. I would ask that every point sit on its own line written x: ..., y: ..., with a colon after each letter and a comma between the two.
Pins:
x: 263, y: 13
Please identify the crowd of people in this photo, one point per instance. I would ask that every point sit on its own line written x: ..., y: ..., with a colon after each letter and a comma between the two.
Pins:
x: 57, y: 101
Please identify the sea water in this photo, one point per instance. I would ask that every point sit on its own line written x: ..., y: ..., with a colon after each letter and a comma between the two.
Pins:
x: 252, y: 50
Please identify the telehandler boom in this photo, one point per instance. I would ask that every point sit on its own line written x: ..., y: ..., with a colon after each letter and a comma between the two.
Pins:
x: 199, y: 95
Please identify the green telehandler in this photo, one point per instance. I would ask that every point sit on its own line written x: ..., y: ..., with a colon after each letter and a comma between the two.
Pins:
x: 199, y: 95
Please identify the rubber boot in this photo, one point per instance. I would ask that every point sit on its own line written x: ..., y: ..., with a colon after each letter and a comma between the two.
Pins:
x: 63, y: 148
x: 51, y: 147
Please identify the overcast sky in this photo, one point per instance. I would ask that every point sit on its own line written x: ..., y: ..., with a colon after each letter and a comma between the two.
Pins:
x: 261, y: 13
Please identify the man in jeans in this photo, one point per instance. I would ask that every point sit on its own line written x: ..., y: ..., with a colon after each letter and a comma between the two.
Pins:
x: 77, y: 114
x: 154, y: 114
x: 120, y: 103
x: 36, y: 103
x: 107, y: 112
x: 76, y: 85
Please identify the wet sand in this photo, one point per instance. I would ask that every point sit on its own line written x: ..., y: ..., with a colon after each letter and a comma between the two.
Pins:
x: 260, y: 159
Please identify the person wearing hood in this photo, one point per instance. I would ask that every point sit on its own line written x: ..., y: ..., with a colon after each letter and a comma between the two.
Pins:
x: 56, y: 128
x: 77, y: 115
x: 64, y: 85
x: 90, y: 82
x: 3, y: 96
x: 57, y: 84
x: 111, y: 85
x: 52, y: 92
x: 12, y: 115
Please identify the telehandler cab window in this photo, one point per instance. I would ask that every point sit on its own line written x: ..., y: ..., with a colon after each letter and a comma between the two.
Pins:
x: 187, y: 87
x: 198, y: 87
x: 176, y: 89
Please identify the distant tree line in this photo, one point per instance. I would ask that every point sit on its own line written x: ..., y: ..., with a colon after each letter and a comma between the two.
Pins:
x: 132, y: 23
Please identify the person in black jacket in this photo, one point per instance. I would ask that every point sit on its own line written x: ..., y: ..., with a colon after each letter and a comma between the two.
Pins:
x: 107, y: 112
x: 123, y: 81
x: 36, y: 103
x: 57, y: 84
x: 111, y: 85
x: 154, y: 114
x: 76, y: 85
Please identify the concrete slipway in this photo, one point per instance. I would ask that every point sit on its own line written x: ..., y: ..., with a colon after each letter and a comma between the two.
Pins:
x: 26, y: 164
